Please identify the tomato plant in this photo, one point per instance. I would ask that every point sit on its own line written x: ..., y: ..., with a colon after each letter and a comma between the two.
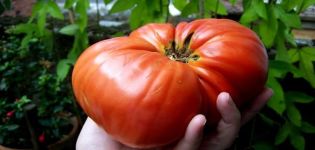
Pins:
x: 145, y: 88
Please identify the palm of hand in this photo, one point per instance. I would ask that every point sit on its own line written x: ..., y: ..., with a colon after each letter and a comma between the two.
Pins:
x: 94, y: 137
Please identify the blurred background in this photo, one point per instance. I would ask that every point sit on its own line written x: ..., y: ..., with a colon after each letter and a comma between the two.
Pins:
x: 41, y: 40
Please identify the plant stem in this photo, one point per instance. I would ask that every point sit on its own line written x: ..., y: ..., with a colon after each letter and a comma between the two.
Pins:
x: 32, y: 132
x: 201, y: 9
x: 71, y: 16
x: 216, y: 9
x: 167, y: 15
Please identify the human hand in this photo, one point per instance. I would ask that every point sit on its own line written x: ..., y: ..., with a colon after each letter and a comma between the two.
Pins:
x: 94, y: 137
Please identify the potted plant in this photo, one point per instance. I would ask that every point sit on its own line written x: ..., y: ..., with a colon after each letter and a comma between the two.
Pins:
x: 35, y: 107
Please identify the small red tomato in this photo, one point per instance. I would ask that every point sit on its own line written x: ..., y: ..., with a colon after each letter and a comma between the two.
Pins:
x: 41, y: 138
x: 10, y: 113
x: 145, y: 88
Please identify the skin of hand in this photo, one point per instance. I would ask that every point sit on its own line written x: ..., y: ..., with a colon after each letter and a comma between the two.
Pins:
x: 94, y: 137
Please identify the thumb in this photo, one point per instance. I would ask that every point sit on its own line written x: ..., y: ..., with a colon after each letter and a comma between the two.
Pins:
x: 193, y: 135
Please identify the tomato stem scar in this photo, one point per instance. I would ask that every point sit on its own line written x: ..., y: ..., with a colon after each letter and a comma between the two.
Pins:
x: 182, y: 54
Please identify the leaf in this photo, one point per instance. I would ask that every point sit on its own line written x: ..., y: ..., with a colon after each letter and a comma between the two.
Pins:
x: 26, y: 40
x: 215, y: 6
x: 268, y: 29
x: 263, y: 145
x: 122, y: 5
x: 22, y: 102
x: 41, y: 21
x: 294, y: 55
x: 190, y: 8
x: 247, y: 4
x: 266, y: 119
x: 309, y: 51
x: 107, y: 1
x: 63, y: 68
x: 54, y: 10
x: 12, y: 127
x: 294, y: 114
x: 282, y: 133
x: 154, y: 6
x: 81, y: 8
x: 298, y: 97
x: 134, y: 20
x: 282, y: 52
x: 278, y: 68
x: 248, y: 16
x: 306, y: 4
x: 292, y: 20
x: 22, y: 28
x: 69, y: 3
x: 292, y: 4
x: 289, y: 19
x: 307, y: 56
x: 80, y: 43
x: 179, y: 4
x: 277, y: 100
x: 48, y: 40
x: 307, y: 127
x: 290, y: 37
x: 156, y: 11
x: 71, y: 29
x: 260, y: 8
x: 297, y: 140
x: 37, y: 7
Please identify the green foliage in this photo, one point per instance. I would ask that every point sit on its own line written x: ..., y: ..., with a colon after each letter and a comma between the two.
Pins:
x: 203, y: 8
x: 273, y: 22
x: 122, y: 5
x: 214, y: 7
x: 190, y: 8
x: 154, y: 10
x: 263, y: 146
x: 305, y: 58
x: 63, y: 68
x: 157, y: 10
x: 69, y: 29
x: 35, y: 28
x: 29, y: 86
x: 44, y: 85
x: 77, y: 29
x: 180, y: 4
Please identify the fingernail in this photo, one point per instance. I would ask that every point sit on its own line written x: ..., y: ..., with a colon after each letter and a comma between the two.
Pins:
x: 225, y: 96
x: 203, y: 119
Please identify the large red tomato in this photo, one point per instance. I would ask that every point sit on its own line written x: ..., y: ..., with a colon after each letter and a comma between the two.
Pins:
x: 145, y: 88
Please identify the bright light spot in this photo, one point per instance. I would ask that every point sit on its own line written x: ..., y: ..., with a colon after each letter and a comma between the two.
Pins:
x: 173, y: 11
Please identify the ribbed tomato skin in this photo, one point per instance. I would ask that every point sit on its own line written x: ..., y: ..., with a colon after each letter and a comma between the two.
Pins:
x: 142, y: 98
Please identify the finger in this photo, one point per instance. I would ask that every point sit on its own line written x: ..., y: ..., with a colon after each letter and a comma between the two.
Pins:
x: 257, y: 105
x: 193, y: 135
x: 94, y: 137
x: 227, y: 108
x: 228, y: 127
